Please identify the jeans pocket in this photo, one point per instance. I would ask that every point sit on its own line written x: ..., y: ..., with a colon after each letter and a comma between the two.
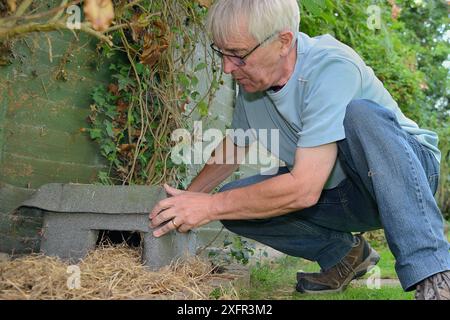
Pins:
x: 428, y: 161
x: 433, y: 181
x: 303, y: 227
x: 335, y: 195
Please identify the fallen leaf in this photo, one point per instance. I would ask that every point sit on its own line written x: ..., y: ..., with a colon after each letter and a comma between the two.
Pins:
x: 154, y: 46
x: 12, y: 5
x: 396, y: 11
x: 205, y: 3
x: 127, y: 147
x: 424, y: 86
x: 135, y: 132
x: 138, y: 25
x: 152, y: 53
x: 116, y: 131
x: 113, y: 88
x: 121, y: 120
x: 122, y: 106
x: 100, y: 13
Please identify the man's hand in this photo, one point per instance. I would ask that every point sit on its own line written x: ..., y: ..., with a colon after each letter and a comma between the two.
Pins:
x: 183, y: 211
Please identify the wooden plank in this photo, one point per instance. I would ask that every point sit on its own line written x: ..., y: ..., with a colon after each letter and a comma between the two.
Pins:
x: 39, y: 142
x: 31, y: 172
x: 38, y: 111
x: 41, y: 114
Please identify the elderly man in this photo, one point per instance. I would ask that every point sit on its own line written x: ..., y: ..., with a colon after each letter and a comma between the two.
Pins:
x: 354, y: 161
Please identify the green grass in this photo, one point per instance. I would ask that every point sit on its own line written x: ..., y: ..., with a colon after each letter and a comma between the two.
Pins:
x: 352, y: 293
x: 386, y: 263
x: 276, y: 279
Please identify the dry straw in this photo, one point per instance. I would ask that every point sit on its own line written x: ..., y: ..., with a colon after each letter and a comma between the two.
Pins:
x: 111, y: 272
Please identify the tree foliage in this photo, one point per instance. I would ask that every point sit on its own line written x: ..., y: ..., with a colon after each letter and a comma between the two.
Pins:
x: 406, y: 51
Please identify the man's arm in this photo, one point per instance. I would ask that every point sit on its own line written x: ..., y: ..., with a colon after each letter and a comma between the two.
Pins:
x: 279, y: 195
x: 285, y: 193
x: 224, y: 160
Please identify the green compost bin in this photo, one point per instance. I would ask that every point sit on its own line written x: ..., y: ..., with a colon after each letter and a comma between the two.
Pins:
x: 44, y: 102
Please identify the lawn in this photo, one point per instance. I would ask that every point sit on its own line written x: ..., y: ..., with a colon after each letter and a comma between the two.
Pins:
x: 276, y: 279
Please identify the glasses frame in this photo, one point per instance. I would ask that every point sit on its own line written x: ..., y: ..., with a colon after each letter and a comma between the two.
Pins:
x: 241, y: 59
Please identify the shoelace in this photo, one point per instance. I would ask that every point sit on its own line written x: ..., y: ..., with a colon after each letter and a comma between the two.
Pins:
x: 344, y: 269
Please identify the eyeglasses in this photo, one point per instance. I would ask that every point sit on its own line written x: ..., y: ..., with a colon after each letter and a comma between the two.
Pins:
x: 238, y: 60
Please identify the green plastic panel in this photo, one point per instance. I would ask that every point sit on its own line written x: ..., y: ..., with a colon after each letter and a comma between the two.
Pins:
x: 45, y: 97
x: 44, y: 102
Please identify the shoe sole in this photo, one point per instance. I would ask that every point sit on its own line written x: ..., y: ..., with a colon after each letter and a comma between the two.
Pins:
x: 361, y: 270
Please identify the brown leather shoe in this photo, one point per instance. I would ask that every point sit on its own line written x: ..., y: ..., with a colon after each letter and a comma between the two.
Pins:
x: 436, y: 287
x: 355, y: 264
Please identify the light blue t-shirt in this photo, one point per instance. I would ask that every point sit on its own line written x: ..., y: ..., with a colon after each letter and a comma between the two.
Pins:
x: 309, y: 110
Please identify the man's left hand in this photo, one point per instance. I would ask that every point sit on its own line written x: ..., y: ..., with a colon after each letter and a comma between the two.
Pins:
x: 183, y: 211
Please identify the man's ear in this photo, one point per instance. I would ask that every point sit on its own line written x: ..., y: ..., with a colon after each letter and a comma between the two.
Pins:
x: 286, y: 39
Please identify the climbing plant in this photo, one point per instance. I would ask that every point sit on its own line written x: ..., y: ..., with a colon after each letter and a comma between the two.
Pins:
x: 153, y: 89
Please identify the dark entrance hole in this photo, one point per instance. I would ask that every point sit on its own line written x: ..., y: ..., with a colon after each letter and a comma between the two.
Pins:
x: 110, y: 237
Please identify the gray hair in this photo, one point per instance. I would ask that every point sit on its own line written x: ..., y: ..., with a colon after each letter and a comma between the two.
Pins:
x: 263, y: 18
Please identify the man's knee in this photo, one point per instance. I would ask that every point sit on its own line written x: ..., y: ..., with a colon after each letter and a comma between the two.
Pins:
x: 234, y: 226
x: 365, y: 114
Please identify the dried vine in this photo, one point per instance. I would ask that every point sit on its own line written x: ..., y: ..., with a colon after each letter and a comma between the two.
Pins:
x: 154, y: 85
x: 149, y: 47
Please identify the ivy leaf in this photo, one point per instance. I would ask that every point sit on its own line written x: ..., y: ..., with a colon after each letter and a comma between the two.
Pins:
x: 95, y: 133
x: 184, y: 80
x: 203, y: 108
x: 140, y: 68
x: 194, y: 81
x: 200, y: 66
x: 99, y: 96
x: 109, y: 129
x: 195, y: 95
x: 108, y: 148
x: 104, y: 177
x: 123, y: 81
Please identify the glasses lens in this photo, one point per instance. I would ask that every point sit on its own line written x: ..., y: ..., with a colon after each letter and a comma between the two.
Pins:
x: 236, y: 61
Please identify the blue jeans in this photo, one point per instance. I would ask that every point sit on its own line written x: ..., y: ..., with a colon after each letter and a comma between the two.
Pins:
x: 391, y: 182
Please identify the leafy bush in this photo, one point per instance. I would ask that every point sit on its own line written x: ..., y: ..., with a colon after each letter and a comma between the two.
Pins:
x: 407, y: 54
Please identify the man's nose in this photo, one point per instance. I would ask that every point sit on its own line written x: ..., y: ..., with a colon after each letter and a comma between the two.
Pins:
x: 228, y: 65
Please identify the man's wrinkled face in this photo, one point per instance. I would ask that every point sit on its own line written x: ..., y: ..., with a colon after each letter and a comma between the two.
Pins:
x: 258, y: 71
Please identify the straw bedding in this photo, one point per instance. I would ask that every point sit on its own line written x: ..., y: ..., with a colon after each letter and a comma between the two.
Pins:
x: 111, y: 272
